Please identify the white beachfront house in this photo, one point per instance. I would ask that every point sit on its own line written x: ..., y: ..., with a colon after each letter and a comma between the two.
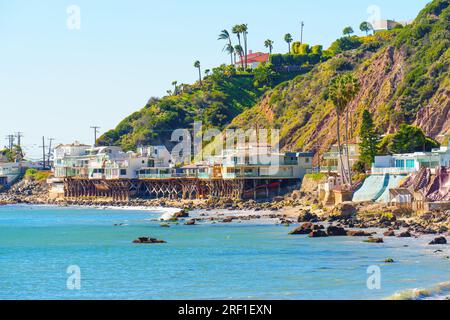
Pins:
x: 257, y: 162
x: 9, y: 171
x: 331, y: 162
x: 83, y: 161
x: 161, y: 156
x: 412, y: 162
x: 70, y: 160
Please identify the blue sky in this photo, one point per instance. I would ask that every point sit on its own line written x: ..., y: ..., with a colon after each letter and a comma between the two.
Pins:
x: 58, y: 82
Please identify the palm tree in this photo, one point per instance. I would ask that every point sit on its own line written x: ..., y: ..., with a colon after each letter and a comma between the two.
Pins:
x: 365, y: 27
x: 237, y: 31
x: 288, y: 39
x: 238, y: 49
x: 207, y: 72
x: 269, y: 44
x: 175, y: 88
x: 225, y: 35
x: 244, y: 31
x: 342, y: 90
x: 230, y: 50
x: 198, y: 66
x: 348, y: 31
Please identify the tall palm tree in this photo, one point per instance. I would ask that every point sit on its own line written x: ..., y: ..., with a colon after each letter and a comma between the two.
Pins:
x: 269, y: 44
x: 230, y: 50
x: 237, y: 31
x: 240, y: 52
x: 225, y: 35
x: 198, y: 66
x: 175, y: 87
x: 288, y: 38
x: 244, y: 31
x: 342, y: 90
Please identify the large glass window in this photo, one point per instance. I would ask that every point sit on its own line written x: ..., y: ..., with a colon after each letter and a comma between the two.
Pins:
x: 399, y: 163
x: 410, y: 163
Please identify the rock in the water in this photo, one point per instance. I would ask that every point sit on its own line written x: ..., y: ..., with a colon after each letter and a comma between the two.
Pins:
x: 405, y: 234
x: 390, y: 233
x: 333, y: 231
x: 388, y: 260
x: 165, y: 225
x: 306, y: 216
x: 318, y: 234
x: 182, y: 214
x: 148, y: 240
x: 190, y: 222
x: 305, y: 228
x: 359, y: 233
x: 440, y: 240
x: 374, y: 240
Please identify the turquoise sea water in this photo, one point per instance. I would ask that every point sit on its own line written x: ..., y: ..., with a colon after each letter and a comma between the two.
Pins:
x: 210, y: 261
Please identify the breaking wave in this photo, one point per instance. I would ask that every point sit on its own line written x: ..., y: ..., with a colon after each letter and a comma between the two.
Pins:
x: 439, y: 292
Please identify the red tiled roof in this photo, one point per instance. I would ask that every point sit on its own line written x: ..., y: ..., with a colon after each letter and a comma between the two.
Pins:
x: 256, y: 57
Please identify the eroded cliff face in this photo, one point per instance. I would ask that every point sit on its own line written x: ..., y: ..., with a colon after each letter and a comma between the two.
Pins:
x: 404, y: 77
x: 307, y: 120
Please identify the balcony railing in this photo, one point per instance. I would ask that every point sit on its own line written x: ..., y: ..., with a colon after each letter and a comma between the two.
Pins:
x: 393, y: 170
x: 156, y: 176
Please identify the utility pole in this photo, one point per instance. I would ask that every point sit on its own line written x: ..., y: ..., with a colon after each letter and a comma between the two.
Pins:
x: 10, y: 138
x: 95, y: 128
x: 43, y: 153
x: 19, y: 135
x: 301, y: 34
x: 49, y: 150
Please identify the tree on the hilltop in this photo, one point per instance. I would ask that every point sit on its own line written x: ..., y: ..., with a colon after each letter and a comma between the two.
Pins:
x: 288, y: 38
x: 225, y: 35
x: 198, y: 66
x: 230, y: 50
x: 244, y: 31
x: 348, y: 31
x: 237, y: 30
x: 365, y: 27
x: 240, y: 52
x: 342, y: 90
x: 369, y: 139
x: 269, y: 44
x: 175, y: 87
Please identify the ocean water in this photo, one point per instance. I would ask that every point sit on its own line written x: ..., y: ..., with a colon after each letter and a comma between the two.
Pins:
x: 210, y: 261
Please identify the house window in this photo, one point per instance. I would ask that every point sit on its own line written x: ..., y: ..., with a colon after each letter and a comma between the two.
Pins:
x: 123, y: 172
x: 410, y: 163
x: 399, y: 163
x: 307, y: 160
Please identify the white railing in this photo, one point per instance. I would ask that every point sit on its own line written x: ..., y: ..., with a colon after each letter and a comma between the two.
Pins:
x: 393, y: 170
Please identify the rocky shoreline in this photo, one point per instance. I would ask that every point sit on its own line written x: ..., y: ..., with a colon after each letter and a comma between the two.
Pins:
x: 295, y: 208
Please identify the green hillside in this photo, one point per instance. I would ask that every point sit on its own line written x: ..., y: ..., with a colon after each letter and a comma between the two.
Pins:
x: 220, y: 97
x: 404, y: 77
